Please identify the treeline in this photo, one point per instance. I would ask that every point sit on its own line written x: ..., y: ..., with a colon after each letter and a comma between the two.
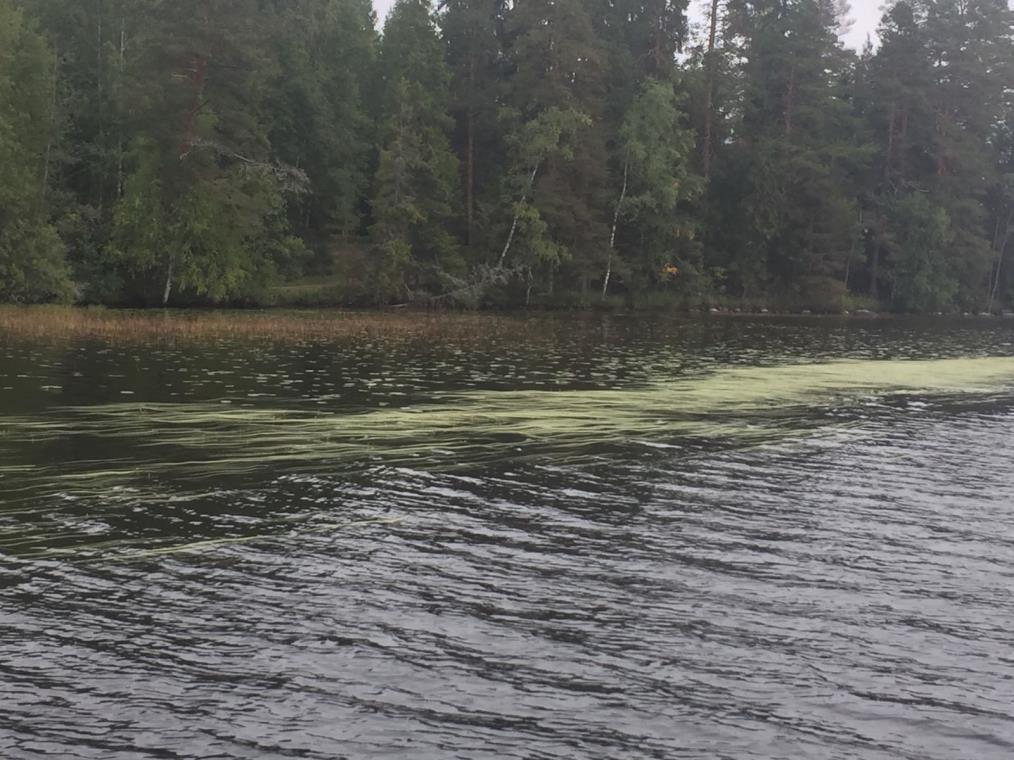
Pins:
x: 489, y: 151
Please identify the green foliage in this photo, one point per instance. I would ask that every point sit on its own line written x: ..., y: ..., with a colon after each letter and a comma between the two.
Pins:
x: 557, y: 93
x: 656, y: 152
x: 221, y: 240
x: 320, y: 110
x: 936, y: 99
x: 471, y: 31
x: 921, y: 235
x: 483, y: 151
x: 416, y: 186
x: 550, y: 135
x: 788, y: 191
x: 32, y: 266
x: 657, y: 148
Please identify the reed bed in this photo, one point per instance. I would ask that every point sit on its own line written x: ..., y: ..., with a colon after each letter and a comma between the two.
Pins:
x: 132, y: 326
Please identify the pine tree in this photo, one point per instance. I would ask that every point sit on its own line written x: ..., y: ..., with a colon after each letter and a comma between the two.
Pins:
x: 790, y: 183
x: 971, y: 51
x: 32, y: 265
x: 180, y: 152
x: 1001, y: 207
x: 472, y: 30
x: 900, y: 117
x: 558, y: 82
x: 318, y: 110
x: 937, y: 104
x: 201, y: 214
x: 417, y: 183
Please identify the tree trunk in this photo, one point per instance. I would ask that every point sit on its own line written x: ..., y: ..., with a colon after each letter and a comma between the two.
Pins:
x: 470, y: 179
x: 790, y: 98
x: 198, y: 78
x: 1002, y: 239
x: 399, y: 164
x: 852, y: 250
x: 709, y: 94
x: 99, y: 72
x: 612, y: 236
x: 470, y: 157
x: 47, y: 159
x: 889, y: 157
x: 169, y: 280
x: 875, y: 271
x: 902, y: 136
x: 119, y: 141
x: 514, y: 224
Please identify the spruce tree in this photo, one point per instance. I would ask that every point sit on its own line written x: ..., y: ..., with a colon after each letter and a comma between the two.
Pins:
x: 790, y: 184
x: 32, y: 266
x: 319, y: 114
x: 416, y: 197
x: 472, y: 31
x: 202, y: 210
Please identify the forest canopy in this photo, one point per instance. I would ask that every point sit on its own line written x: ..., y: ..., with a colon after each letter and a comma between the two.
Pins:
x: 489, y: 152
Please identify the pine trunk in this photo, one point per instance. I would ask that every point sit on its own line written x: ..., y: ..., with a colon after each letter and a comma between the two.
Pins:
x: 709, y: 95
x: 1001, y: 241
x: 790, y: 100
x: 470, y: 179
x: 119, y: 141
x: 48, y: 156
x: 470, y: 156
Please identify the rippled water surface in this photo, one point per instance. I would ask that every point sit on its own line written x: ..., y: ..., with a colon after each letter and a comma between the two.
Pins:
x: 597, y: 537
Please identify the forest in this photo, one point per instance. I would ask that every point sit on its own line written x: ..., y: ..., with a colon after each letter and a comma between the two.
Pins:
x: 498, y: 153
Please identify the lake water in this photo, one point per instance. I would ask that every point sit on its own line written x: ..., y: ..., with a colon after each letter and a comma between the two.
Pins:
x: 598, y: 537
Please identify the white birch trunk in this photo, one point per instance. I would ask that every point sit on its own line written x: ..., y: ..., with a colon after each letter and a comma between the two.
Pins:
x: 612, y: 236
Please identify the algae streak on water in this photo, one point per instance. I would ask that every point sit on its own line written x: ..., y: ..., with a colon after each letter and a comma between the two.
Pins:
x: 194, y: 441
x: 160, y: 455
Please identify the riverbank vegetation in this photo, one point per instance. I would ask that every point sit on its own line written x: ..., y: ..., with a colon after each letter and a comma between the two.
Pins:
x: 204, y: 325
x: 485, y: 152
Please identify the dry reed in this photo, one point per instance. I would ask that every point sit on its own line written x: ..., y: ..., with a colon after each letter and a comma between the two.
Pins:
x: 52, y: 322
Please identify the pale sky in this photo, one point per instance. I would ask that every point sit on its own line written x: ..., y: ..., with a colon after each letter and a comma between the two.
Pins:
x: 865, y: 13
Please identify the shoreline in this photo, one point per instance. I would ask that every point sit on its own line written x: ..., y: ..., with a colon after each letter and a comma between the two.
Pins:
x: 85, y: 322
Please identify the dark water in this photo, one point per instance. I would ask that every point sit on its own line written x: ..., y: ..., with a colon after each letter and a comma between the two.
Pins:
x: 584, y: 538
